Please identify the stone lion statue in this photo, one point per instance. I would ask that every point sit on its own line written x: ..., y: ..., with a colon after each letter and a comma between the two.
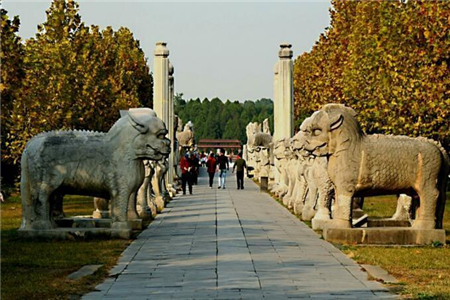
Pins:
x: 107, y: 165
x: 363, y: 165
x: 186, y: 137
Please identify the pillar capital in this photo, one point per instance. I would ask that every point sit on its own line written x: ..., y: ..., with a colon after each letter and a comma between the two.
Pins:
x: 285, y: 51
x: 161, y: 49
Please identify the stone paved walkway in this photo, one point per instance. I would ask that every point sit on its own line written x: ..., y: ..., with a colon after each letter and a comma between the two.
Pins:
x: 231, y: 244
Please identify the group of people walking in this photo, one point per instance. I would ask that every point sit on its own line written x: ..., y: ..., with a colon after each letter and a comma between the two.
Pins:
x: 220, y: 164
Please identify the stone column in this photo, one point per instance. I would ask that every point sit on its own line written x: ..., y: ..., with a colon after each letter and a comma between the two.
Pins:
x: 161, y: 82
x: 284, y: 94
x: 161, y: 94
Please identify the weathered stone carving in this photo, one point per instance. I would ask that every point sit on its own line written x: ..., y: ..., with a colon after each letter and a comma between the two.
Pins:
x: 107, y: 165
x: 251, y: 130
x: 263, y: 161
x: 258, y: 149
x: 266, y: 127
x: 101, y: 208
x: 296, y: 187
x: 281, y: 152
x: 404, y: 209
x: 158, y: 184
x: 320, y: 180
x: 317, y: 200
x: 361, y: 165
x: 186, y: 139
x: 144, y: 205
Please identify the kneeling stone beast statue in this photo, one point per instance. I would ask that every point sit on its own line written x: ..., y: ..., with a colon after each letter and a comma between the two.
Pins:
x: 363, y: 165
x: 108, y: 165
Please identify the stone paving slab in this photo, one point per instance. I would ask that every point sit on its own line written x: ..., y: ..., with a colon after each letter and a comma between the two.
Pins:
x: 233, y: 244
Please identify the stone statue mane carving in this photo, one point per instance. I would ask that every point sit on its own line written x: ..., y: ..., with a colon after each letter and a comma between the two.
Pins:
x: 107, y: 165
x: 362, y: 165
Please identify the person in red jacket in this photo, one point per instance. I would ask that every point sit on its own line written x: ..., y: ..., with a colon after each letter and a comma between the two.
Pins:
x: 211, y: 168
x: 186, y: 167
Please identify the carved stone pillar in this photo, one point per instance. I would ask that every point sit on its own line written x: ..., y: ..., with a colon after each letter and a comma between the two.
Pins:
x: 161, y: 82
x: 284, y: 94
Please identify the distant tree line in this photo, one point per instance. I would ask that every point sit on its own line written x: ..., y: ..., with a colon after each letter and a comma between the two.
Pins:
x: 214, y: 119
x: 68, y: 76
x: 389, y: 60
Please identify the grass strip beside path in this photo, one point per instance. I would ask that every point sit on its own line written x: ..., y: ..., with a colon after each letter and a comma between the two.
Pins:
x: 423, y: 272
x: 33, y: 269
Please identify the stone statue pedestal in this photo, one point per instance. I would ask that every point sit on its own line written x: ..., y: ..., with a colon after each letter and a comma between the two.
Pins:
x: 320, y: 223
x: 135, y: 224
x: 144, y: 213
x: 76, y: 233
x: 264, y: 184
x: 384, y: 236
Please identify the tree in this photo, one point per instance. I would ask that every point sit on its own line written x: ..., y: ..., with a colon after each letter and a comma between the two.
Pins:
x: 12, y: 74
x: 214, y: 119
x: 387, y: 60
x: 77, y: 77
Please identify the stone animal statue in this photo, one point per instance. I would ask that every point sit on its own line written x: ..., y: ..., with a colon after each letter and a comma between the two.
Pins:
x: 263, y: 161
x: 145, y: 207
x: 281, y: 149
x: 364, y: 165
x: 320, y: 191
x: 320, y: 194
x: 101, y: 208
x: 294, y: 198
x: 251, y: 130
x: 266, y: 127
x: 163, y: 167
x: 157, y: 186
x: 107, y: 165
x: 179, y: 123
x: 262, y: 140
x: 186, y: 137
x: 405, y: 210
x: 262, y: 145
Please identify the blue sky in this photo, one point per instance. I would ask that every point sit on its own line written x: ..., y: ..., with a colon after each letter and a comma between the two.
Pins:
x: 219, y: 49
